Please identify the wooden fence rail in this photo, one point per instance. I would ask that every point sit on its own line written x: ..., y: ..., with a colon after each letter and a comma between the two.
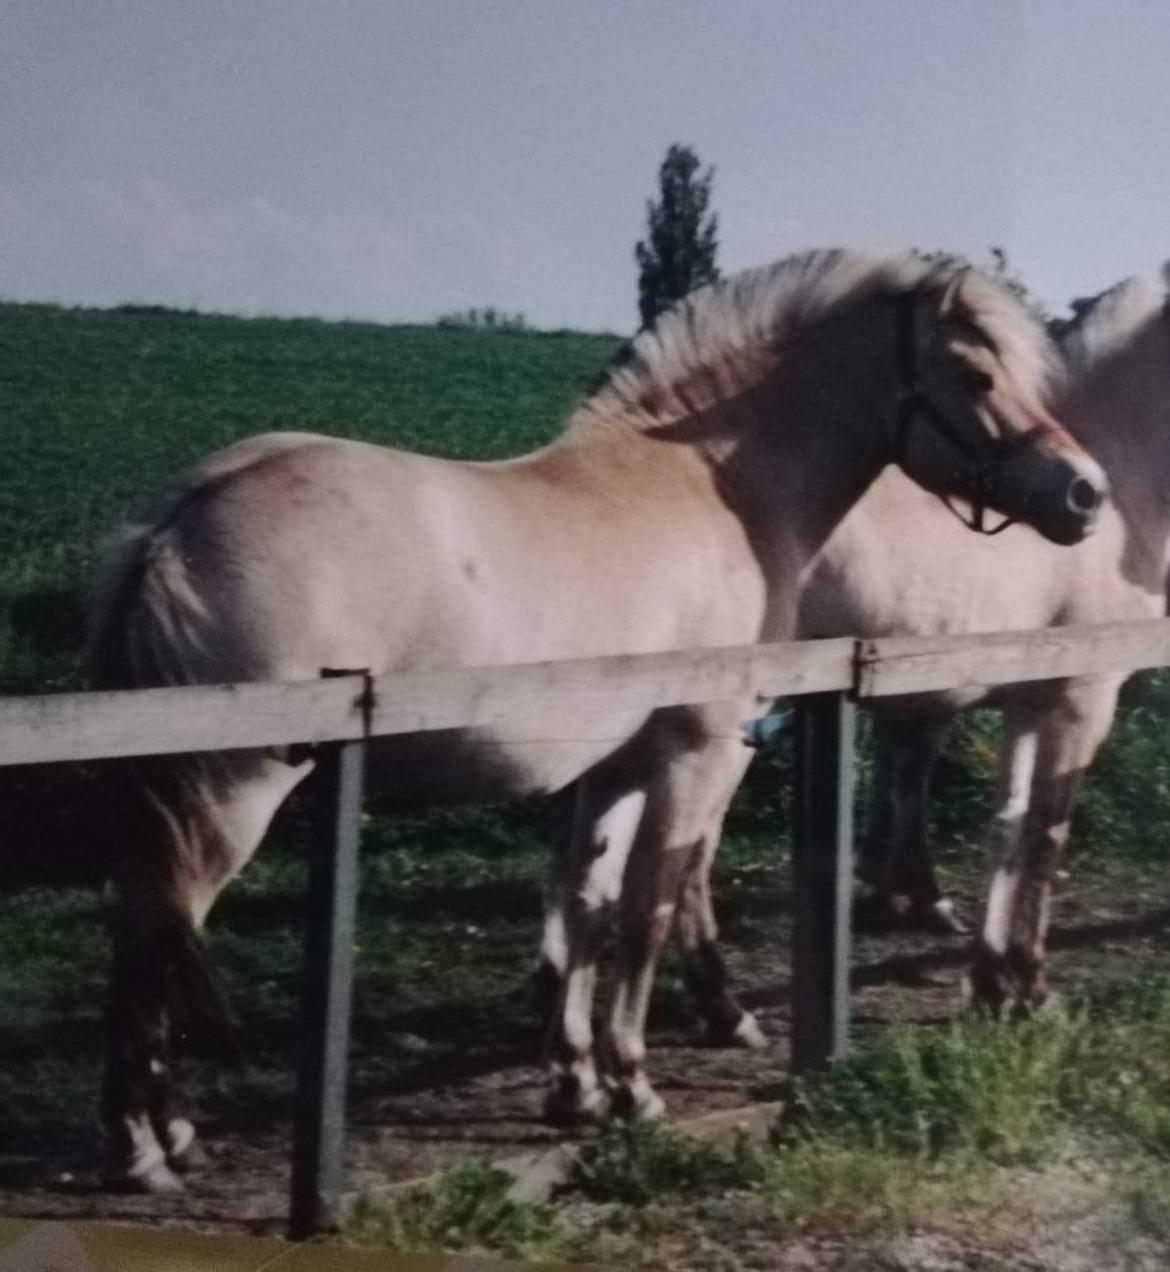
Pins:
x: 86, y: 726
x: 339, y: 713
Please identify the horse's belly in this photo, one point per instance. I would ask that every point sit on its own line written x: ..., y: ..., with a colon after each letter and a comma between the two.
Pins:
x: 468, y: 765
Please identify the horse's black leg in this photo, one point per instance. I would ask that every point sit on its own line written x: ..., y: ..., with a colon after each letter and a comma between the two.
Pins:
x: 729, y: 1024
x: 552, y: 964
x: 895, y: 857
x: 136, y: 1096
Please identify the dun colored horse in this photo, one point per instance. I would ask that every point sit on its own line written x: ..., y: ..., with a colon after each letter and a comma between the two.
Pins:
x: 897, y: 564
x: 1118, y: 405
x: 678, y: 509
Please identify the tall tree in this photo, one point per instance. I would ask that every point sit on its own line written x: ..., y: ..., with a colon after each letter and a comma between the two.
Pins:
x: 678, y: 253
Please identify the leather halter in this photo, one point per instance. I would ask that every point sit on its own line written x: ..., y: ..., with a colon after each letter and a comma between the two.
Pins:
x: 984, y: 458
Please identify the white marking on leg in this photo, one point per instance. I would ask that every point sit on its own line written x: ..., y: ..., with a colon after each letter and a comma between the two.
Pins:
x: 577, y: 1090
x: 749, y: 1034
x: 554, y: 941
x: 1007, y: 832
x: 614, y: 831
x: 147, y: 1169
x: 997, y: 925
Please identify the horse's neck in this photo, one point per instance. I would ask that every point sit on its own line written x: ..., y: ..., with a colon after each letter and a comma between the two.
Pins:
x: 1123, y: 418
x: 821, y: 431
x: 787, y: 456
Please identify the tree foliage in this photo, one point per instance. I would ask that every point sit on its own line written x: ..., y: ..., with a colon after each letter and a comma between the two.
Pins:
x: 678, y: 253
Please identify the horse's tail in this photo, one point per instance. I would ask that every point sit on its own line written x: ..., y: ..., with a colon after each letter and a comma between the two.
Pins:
x: 148, y: 623
x: 142, y: 604
x: 166, y: 968
x: 202, y: 1017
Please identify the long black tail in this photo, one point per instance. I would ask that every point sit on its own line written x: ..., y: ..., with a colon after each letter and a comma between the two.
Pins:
x: 202, y: 1018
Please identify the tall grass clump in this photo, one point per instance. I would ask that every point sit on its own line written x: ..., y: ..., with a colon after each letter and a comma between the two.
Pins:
x: 469, y: 1207
x: 973, y: 1090
x: 642, y: 1162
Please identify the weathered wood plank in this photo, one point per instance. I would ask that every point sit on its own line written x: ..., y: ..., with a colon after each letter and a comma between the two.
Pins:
x: 85, y: 726
x: 57, y: 727
x: 920, y: 664
x: 163, y: 721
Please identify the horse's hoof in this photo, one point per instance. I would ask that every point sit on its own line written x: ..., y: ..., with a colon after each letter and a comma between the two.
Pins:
x: 748, y: 1034
x: 192, y: 1158
x: 157, y: 1180
x: 638, y: 1102
x: 184, y: 1152
x: 939, y: 917
x: 745, y: 1034
x: 568, y: 1104
x: 988, y: 987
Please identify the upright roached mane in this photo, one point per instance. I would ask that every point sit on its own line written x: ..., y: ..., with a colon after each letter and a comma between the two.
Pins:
x: 730, y: 334
x: 676, y: 511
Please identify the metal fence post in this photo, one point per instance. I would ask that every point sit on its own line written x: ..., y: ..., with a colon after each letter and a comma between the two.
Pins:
x: 823, y: 879
x: 319, y: 1131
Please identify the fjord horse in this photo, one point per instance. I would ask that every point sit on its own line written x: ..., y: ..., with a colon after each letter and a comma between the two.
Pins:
x: 678, y: 509
x: 898, y: 565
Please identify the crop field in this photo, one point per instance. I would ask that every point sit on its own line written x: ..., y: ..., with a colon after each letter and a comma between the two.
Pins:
x: 945, y: 1143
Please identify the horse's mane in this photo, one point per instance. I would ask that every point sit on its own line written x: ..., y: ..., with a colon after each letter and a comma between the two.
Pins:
x: 723, y: 336
x: 1107, y: 324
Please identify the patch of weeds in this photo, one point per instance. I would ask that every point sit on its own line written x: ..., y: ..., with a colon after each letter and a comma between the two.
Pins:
x: 973, y: 1089
x: 829, y: 1182
x: 643, y: 1162
x: 1119, y: 1077
x: 468, y: 1208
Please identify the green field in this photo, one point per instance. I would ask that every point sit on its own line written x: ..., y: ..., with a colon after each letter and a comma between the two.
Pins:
x: 95, y: 409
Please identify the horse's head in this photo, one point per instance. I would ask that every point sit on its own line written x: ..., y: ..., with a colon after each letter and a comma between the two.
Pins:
x: 971, y: 420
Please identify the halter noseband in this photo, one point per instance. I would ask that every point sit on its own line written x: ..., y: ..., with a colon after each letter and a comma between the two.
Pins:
x: 984, y: 457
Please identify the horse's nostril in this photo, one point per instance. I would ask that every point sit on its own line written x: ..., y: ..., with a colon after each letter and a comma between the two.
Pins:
x: 1083, y: 496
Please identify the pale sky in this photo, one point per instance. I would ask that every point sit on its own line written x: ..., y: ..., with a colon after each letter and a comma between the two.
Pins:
x: 394, y: 160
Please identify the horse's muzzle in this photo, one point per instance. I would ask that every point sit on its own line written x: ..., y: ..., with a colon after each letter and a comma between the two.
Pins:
x: 1060, y: 494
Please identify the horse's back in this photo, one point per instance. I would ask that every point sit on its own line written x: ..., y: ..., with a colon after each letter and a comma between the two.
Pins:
x: 270, y: 560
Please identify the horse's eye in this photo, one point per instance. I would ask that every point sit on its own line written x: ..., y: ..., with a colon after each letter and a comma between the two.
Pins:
x: 977, y: 381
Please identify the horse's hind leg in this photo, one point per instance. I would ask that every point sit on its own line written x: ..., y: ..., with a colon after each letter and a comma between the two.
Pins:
x: 728, y: 1023
x: 607, y: 814
x: 553, y: 962
x: 189, y: 827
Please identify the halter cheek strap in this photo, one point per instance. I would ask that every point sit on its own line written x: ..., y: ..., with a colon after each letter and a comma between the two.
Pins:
x: 984, y: 457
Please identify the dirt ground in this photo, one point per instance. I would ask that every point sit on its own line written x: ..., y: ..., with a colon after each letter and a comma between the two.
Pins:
x: 491, y: 1108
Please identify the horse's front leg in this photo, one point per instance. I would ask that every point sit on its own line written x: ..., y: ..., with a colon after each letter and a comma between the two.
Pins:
x: 895, y: 857
x: 605, y: 823
x: 1049, y: 753
x: 684, y: 804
